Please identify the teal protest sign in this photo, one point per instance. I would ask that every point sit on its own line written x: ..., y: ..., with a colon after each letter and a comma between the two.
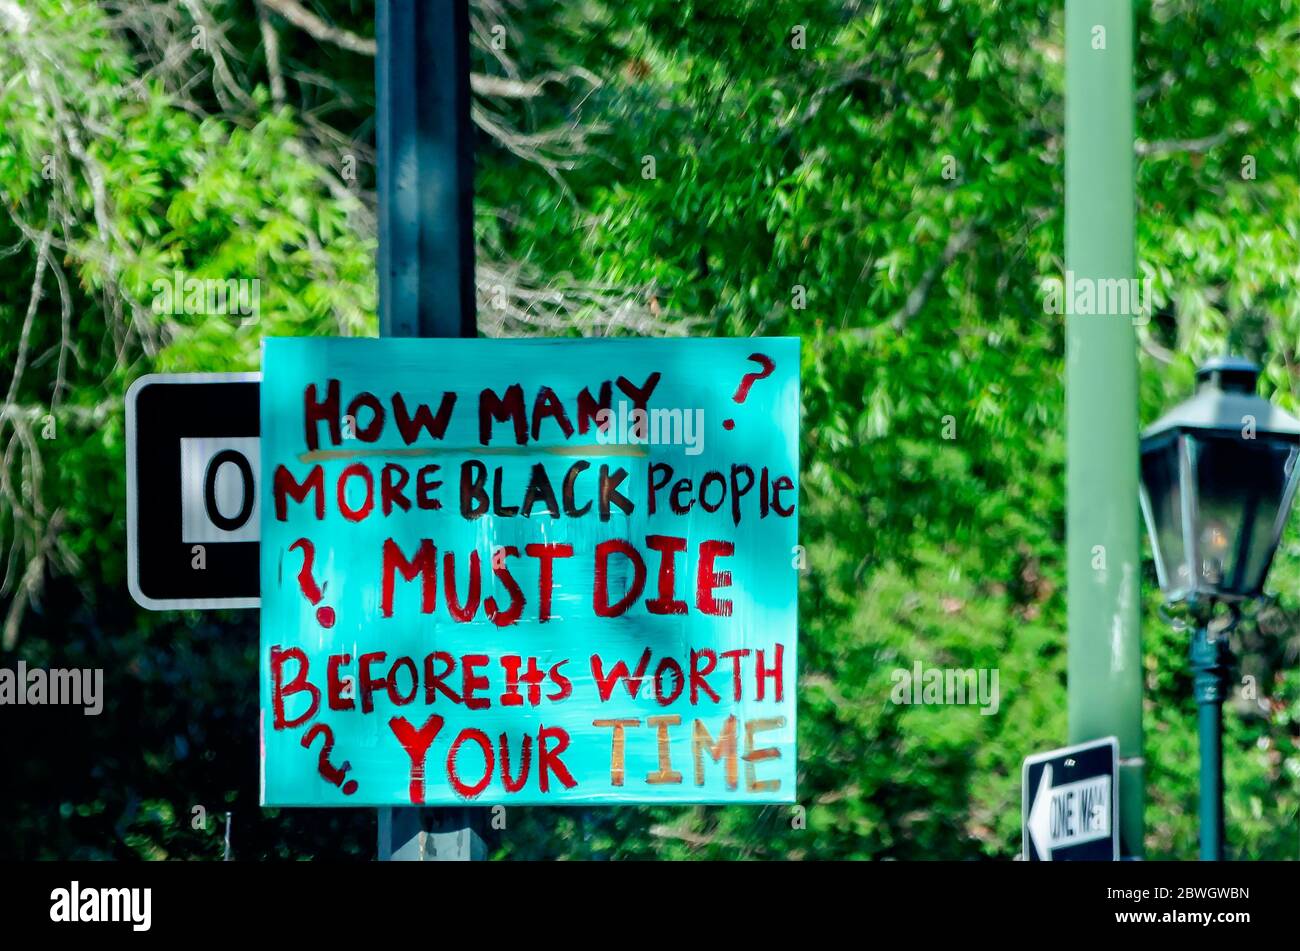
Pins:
x: 528, y: 571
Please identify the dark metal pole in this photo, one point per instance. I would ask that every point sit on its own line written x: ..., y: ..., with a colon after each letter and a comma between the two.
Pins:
x: 1210, y: 660
x: 426, y: 169
x: 426, y: 265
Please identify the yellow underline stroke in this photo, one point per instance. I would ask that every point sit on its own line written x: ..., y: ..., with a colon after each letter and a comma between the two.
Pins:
x: 330, y: 455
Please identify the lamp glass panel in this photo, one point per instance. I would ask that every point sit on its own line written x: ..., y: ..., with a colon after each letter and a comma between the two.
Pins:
x: 1164, y: 494
x: 1240, y: 484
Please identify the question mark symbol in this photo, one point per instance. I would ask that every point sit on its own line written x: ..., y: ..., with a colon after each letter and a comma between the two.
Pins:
x: 748, y: 380
x: 332, y: 774
x: 325, y: 615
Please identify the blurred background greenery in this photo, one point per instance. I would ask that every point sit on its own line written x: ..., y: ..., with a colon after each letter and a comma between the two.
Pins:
x: 883, y: 179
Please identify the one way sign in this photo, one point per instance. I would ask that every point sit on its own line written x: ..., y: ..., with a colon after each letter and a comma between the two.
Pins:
x: 1069, y: 804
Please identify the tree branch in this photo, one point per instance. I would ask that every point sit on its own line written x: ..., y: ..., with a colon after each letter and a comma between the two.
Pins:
x: 318, y: 29
x: 494, y: 86
x: 957, y: 243
x: 1171, y: 146
x: 271, y: 47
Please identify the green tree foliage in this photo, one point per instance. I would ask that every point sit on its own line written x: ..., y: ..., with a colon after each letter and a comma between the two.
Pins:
x: 883, y: 179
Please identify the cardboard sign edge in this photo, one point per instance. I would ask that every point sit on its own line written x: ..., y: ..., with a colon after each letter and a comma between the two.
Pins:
x: 784, y: 798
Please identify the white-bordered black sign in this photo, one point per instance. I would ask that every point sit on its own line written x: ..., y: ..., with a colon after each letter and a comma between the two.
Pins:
x: 1069, y: 803
x: 192, y: 480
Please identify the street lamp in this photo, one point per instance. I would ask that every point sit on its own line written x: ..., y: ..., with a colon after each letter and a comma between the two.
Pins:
x: 1218, y: 475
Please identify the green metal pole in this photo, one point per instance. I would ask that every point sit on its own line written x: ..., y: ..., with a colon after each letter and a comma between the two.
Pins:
x: 1210, y: 666
x: 1102, y: 520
